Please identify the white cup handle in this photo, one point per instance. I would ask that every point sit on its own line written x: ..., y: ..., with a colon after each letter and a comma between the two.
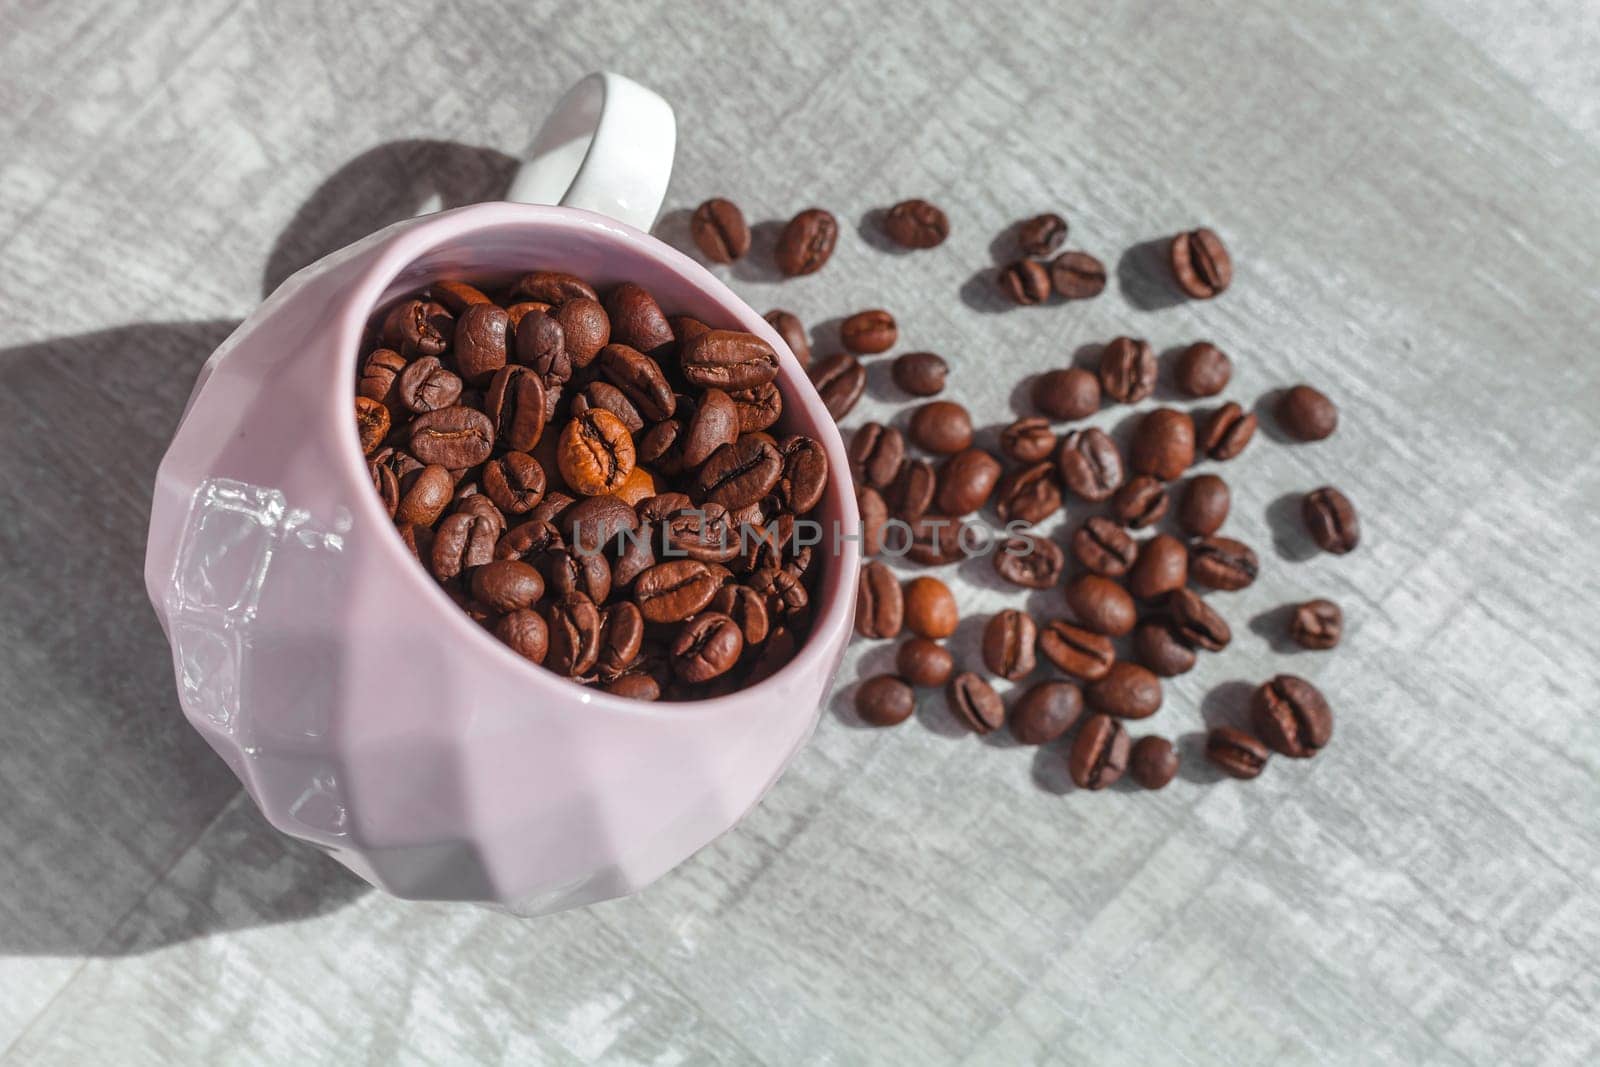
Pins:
x: 607, y: 147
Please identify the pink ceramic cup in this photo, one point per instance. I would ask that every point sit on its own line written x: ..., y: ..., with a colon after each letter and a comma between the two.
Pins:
x: 363, y: 711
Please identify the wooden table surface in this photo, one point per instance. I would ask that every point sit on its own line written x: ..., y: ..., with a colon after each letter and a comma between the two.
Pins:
x: 1409, y: 189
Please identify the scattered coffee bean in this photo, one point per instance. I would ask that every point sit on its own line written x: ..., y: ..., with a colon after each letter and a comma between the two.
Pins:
x: 1235, y: 752
x: 966, y: 481
x: 930, y: 609
x: 1090, y: 464
x: 1076, y: 651
x: 807, y: 242
x: 1203, y: 370
x: 1008, y: 644
x: 1155, y: 646
x: 869, y: 332
x: 1140, y: 503
x: 1163, y: 444
x: 916, y: 224
x: 874, y: 518
x: 1331, y: 520
x: 1127, y: 691
x: 924, y: 663
x: 1077, y: 276
x: 840, y: 379
x: 1046, y: 712
x: 910, y: 495
x: 1306, y: 415
x: 919, y: 373
x: 719, y: 230
x: 1099, y: 753
x: 1227, y: 431
x: 1066, y: 394
x: 975, y: 703
x: 942, y: 427
x: 793, y: 332
x: 1205, y: 504
x: 1128, y: 370
x: 1104, y: 547
x: 885, y: 701
x: 1028, y: 561
x: 1222, y: 563
x: 1026, y: 282
x: 1028, y: 440
x: 1317, y: 625
x: 1101, y: 605
x: 1291, y: 716
x: 1154, y: 762
x: 1161, y: 567
x: 1196, y: 623
x: 1041, y: 235
x: 1200, y: 264
x: 880, y: 605
x: 876, y: 453
x: 1030, y: 495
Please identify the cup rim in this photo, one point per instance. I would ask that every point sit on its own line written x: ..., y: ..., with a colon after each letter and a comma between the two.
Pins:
x: 415, y: 240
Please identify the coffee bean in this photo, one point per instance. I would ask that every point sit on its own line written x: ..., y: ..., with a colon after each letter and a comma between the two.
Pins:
x: 621, y: 638
x: 910, y: 495
x: 1104, y: 547
x: 1066, y: 394
x: 1205, y: 505
x: 529, y: 540
x: 507, y: 585
x: 380, y: 378
x: 1163, y: 444
x: 425, y: 385
x: 1140, y: 503
x: 793, y: 333
x: 880, y: 606
x: 1128, y: 370
x: 942, y: 427
x: 729, y: 360
x: 713, y: 422
x: 807, y: 242
x: 1196, y: 623
x: 975, y: 703
x: 874, y: 517
x: 706, y: 647
x: 1317, y: 624
x: 1203, y: 370
x: 747, y: 608
x: 417, y: 328
x: 599, y: 524
x: 1090, y: 464
x: 1154, y: 762
x: 637, y: 556
x: 966, y: 481
x: 574, y: 626
x: 1029, y: 495
x: 1222, y: 563
x: 785, y: 595
x: 1235, y: 752
x: 706, y: 533
x: 885, y: 701
x: 919, y: 373
x: 1306, y: 415
x: 1046, y: 712
x: 426, y: 495
x: 1226, y: 431
x: 1076, y: 651
x: 1200, y: 264
x: 1162, y: 566
x: 869, y: 332
x: 924, y: 663
x: 566, y: 571
x: 1077, y: 276
x: 586, y: 328
x: 916, y: 224
x: 516, y: 407
x: 540, y: 343
x: 637, y: 321
x: 457, y: 296
x: 1155, y: 646
x: 1031, y: 562
x: 1008, y: 644
x: 639, y: 378
x: 1291, y: 716
x: 1099, y: 753
x: 453, y: 437
x: 758, y: 408
x: 552, y: 287
x: 719, y: 230
x: 1025, y: 282
x: 525, y: 631
x: 876, y: 452
x: 1101, y: 605
x: 595, y: 452
x: 805, y: 473
x: 1041, y: 235
x: 674, y: 590
x: 475, y: 503
x: 1127, y: 691
x: 740, y: 474
x: 552, y: 507
x: 383, y: 480
x: 930, y: 609
x: 634, y: 685
x: 1331, y: 520
x: 372, y: 424
x: 480, y: 342
x: 840, y: 380
x: 515, y: 482
x: 1028, y: 440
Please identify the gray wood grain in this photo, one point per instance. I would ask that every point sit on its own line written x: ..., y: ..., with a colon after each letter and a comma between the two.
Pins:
x: 1409, y: 191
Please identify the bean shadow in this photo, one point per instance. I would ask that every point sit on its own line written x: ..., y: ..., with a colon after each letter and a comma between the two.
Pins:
x: 1049, y: 770
x: 1226, y: 704
x: 826, y: 340
x: 869, y: 227
x: 1265, y: 410
x: 760, y: 264
x: 877, y: 660
x: 1273, y: 625
x: 1167, y: 374
x: 1145, y: 279
x: 1087, y: 356
x: 981, y: 293
x: 1289, y: 537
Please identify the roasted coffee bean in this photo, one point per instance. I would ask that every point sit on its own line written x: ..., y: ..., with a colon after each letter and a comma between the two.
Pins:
x: 1076, y: 651
x: 729, y: 360
x: 805, y: 473
x: 1066, y: 394
x: 1155, y: 646
x: 586, y: 326
x: 637, y: 321
x: 574, y: 625
x: 380, y: 378
x: 740, y: 474
x: 1046, y: 712
x: 552, y: 507
x: 719, y: 230
x: 874, y: 517
x: 515, y: 482
x: 876, y: 452
x: 1163, y: 444
x: 425, y: 497
x: 930, y: 609
x: 1317, y: 624
x: 599, y: 524
x: 910, y: 495
x: 773, y: 655
x: 942, y: 427
x: 463, y: 541
x: 1140, y: 503
x: 785, y: 596
x: 747, y: 608
x: 1029, y: 495
x: 920, y: 373
x: 641, y: 485
x: 1330, y: 519
x: 1196, y: 623
x: 1028, y: 440
x: 1162, y: 566
x: 924, y: 663
x: 453, y: 437
x: 417, y: 328
x: 566, y: 571
x: 525, y: 631
x: 916, y: 224
x: 1222, y: 563
x: 885, y: 701
x: 758, y: 408
x: 1291, y: 716
x: 372, y: 424
x: 662, y: 445
x: 1128, y: 370
x: 880, y: 606
x: 869, y: 332
x: 1008, y: 644
x: 1203, y: 370
x: 516, y: 408
x: 419, y: 542
x: 1077, y: 276
x: 806, y: 242
x: 457, y: 296
x: 540, y: 343
x: 1090, y: 464
x: 1026, y: 282
x: 607, y: 397
x: 840, y: 379
x: 1305, y: 414
x: 1235, y: 752
x: 674, y: 590
x: 506, y: 585
x: 621, y: 638
x: 595, y: 452
x: 966, y: 481
x: 401, y: 462
x: 975, y: 703
x: 1099, y: 753
x: 639, y: 378
x: 662, y: 506
x: 1200, y: 263
x: 1041, y: 235
x: 1028, y: 561
x: 637, y: 555
x: 1101, y: 605
x: 634, y: 685
x: 1104, y: 547
x: 552, y: 287
x: 1127, y: 691
x: 480, y: 342
x: 1226, y: 431
x: 793, y: 332
x: 1154, y: 762
x: 1205, y: 505
x: 707, y: 533
x: 529, y: 540
x: 475, y: 503
x: 384, y: 481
